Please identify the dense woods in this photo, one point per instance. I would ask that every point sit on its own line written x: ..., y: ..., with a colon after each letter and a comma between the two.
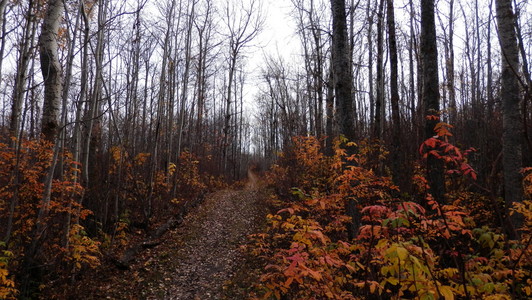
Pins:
x: 394, y: 138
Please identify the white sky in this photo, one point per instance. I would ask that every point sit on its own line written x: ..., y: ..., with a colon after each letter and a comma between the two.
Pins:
x: 278, y: 38
x: 279, y: 32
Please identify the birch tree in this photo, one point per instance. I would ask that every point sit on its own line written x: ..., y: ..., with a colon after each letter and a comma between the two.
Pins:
x: 51, y: 69
x: 512, y: 128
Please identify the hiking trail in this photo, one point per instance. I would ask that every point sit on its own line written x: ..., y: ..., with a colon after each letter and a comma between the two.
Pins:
x: 200, y: 259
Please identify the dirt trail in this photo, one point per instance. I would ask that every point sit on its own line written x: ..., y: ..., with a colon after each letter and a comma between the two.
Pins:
x: 201, y: 256
x: 210, y: 256
x: 253, y: 180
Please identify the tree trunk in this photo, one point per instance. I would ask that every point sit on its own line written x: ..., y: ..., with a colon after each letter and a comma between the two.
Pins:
x: 243, y: 23
x: 184, y: 92
x: 394, y: 93
x: 64, y: 119
x: 430, y: 94
x: 51, y: 69
x: 341, y: 67
x: 329, y: 151
x: 450, y: 68
x: 370, y: 61
x: 25, y: 53
x: 342, y: 86
x: 527, y: 85
x: 491, y: 100
x: 3, y: 22
x: 412, y: 81
x: 379, y: 103
x: 227, y: 116
x: 512, y: 158
x: 92, y: 118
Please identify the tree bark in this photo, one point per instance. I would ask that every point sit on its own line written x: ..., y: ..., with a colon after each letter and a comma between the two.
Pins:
x: 329, y: 123
x: 450, y: 67
x: 491, y: 100
x: 51, y: 69
x: 341, y: 67
x: 343, y: 84
x: 25, y: 54
x: 430, y: 94
x: 243, y: 27
x: 379, y: 103
x: 92, y: 119
x: 370, y: 16
x: 394, y: 93
x: 512, y: 158
x: 3, y: 5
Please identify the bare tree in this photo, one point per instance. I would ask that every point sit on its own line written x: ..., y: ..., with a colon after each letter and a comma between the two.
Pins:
x: 343, y: 83
x: 449, y: 62
x: 341, y: 70
x: 430, y: 93
x: 92, y: 115
x: 379, y: 100
x: 204, y: 26
x: 24, y: 55
x: 310, y: 19
x: 394, y: 91
x: 3, y: 33
x: 370, y: 14
x: 512, y: 127
x: 243, y: 23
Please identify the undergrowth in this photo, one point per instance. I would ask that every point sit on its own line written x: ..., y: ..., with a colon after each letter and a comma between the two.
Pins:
x: 408, y: 247
x: 65, y: 246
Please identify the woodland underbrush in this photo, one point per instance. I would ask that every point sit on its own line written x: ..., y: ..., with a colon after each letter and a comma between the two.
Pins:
x: 407, y: 246
x: 48, y: 240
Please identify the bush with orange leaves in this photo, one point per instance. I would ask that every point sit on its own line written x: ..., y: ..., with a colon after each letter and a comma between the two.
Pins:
x: 411, y: 248
x: 22, y: 173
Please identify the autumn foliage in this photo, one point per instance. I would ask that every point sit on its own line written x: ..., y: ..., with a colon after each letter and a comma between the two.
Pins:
x: 407, y: 247
x: 61, y: 241
x: 56, y: 244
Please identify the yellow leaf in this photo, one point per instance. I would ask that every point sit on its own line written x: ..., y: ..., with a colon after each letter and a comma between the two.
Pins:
x: 402, y: 253
x: 528, y: 290
x: 393, y: 280
x: 447, y: 292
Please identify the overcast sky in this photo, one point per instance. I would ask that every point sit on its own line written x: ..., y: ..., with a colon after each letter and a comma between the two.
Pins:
x: 277, y: 38
x: 279, y: 31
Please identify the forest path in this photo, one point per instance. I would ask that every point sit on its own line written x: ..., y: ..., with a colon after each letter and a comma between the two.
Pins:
x: 202, y: 258
x: 210, y: 255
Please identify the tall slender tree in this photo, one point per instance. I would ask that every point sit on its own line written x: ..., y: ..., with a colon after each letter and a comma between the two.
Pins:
x: 394, y: 91
x: 512, y: 129
x: 51, y: 69
x: 243, y: 24
x: 343, y: 83
x: 24, y: 56
x: 430, y: 95
x: 341, y: 70
x: 379, y: 100
x: 3, y: 33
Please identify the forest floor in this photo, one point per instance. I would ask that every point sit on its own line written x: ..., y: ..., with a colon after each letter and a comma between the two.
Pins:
x: 200, y: 259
